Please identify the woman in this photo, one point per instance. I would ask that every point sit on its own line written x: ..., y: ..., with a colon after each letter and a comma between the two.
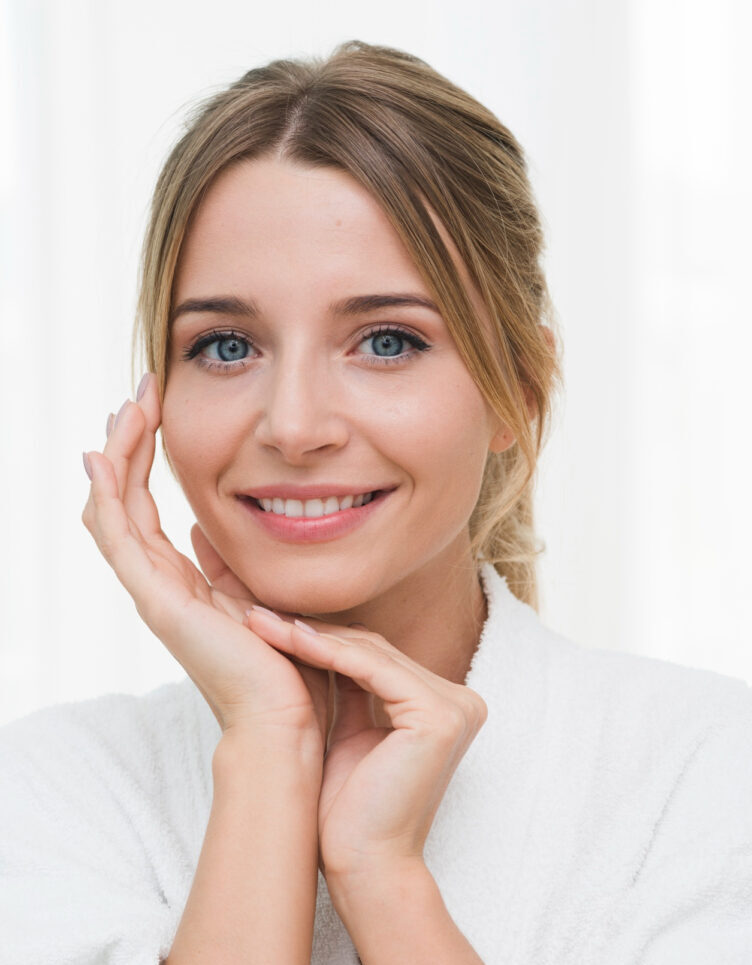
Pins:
x: 380, y: 752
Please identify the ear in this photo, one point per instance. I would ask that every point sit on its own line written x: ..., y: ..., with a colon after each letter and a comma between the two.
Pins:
x: 502, y: 439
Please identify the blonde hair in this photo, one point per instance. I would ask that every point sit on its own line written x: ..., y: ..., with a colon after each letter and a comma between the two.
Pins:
x: 417, y: 143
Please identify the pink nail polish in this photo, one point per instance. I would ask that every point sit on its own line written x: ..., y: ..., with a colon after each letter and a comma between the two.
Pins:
x: 269, y: 613
x: 110, y: 422
x: 142, y: 386
x: 121, y: 410
x: 304, y: 626
x: 87, y: 465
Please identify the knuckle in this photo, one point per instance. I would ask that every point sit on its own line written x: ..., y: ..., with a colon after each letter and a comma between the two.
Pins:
x: 450, y: 723
x: 465, y: 711
x: 380, y: 657
x: 481, y: 710
x: 372, y: 640
x: 87, y: 517
x: 476, y: 709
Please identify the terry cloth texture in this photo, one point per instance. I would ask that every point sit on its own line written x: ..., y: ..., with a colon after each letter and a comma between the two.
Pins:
x: 603, y: 814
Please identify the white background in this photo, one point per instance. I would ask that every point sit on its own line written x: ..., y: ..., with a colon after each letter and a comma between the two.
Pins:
x: 635, y: 116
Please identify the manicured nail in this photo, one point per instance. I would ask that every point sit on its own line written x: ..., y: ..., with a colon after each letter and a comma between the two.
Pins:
x: 142, y: 386
x: 87, y: 466
x: 122, y: 409
x: 304, y: 626
x: 110, y: 422
x: 262, y: 609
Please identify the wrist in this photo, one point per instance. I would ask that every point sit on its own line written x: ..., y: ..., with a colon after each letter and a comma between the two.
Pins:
x: 296, y: 755
x: 378, y: 879
x: 395, y: 914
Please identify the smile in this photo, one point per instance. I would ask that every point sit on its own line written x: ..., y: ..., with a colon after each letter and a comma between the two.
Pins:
x: 314, y: 508
x: 314, y: 519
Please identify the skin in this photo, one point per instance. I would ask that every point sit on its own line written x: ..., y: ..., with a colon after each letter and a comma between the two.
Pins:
x: 309, y: 408
x: 367, y: 708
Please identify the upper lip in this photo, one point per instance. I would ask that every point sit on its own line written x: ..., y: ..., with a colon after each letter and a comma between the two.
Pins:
x: 309, y: 491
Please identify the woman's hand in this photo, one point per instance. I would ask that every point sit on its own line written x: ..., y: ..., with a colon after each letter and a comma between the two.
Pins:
x: 381, y: 786
x: 247, y: 683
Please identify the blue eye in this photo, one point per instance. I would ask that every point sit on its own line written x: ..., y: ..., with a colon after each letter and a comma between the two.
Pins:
x: 392, y: 344
x: 224, y: 348
x: 388, y: 343
x: 227, y: 348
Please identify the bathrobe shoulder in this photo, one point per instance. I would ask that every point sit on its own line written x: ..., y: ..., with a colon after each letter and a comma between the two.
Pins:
x: 602, y: 814
x: 615, y: 792
x: 103, y: 810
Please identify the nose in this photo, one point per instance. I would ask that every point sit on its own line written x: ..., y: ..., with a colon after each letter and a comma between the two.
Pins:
x: 301, y: 413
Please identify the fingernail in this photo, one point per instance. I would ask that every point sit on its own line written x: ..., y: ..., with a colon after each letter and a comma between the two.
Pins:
x: 87, y: 466
x: 122, y: 409
x: 262, y: 609
x: 110, y: 420
x: 142, y: 386
x: 304, y: 626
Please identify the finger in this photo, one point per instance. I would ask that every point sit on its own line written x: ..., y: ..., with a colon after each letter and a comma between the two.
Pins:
x: 138, y: 501
x: 357, y: 632
x: 122, y: 441
x: 117, y: 537
x: 374, y: 670
x: 128, y: 438
x: 168, y: 606
x: 89, y: 516
x: 214, y: 568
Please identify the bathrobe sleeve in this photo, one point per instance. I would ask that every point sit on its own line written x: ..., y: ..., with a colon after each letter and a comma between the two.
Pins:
x: 91, y: 870
x: 691, y: 901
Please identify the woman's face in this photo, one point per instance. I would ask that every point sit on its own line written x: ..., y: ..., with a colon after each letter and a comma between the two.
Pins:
x: 309, y: 373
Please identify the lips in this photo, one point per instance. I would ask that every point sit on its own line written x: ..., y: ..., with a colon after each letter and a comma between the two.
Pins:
x: 311, y: 515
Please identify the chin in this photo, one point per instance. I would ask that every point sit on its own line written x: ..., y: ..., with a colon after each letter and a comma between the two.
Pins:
x: 311, y: 590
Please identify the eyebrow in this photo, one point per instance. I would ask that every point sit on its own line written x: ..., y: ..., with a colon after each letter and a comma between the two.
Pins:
x: 357, y: 305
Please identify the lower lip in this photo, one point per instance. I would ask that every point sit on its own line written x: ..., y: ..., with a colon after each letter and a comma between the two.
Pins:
x: 304, y: 529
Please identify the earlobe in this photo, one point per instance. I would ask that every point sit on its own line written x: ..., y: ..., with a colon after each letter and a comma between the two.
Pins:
x: 502, y: 440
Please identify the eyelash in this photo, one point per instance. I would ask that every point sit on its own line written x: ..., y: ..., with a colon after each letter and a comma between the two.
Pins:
x: 204, y: 341
x: 193, y: 351
x: 418, y: 344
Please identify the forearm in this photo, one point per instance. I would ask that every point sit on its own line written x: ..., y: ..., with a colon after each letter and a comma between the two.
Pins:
x: 398, y: 917
x: 254, y: 891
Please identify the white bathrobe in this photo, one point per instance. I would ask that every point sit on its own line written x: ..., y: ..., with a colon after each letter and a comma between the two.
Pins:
x: 603, y: 815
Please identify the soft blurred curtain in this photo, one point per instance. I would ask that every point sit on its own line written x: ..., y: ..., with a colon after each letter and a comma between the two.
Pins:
x: 635, y: 116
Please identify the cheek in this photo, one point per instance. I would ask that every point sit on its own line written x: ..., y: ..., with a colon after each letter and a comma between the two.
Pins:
x: 196, y: 447
x: 450, y: 448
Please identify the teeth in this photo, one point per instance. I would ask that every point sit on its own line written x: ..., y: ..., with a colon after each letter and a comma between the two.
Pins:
x: 313, y: 508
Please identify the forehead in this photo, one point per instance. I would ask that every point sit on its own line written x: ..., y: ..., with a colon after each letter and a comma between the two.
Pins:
x: 266, y: 222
